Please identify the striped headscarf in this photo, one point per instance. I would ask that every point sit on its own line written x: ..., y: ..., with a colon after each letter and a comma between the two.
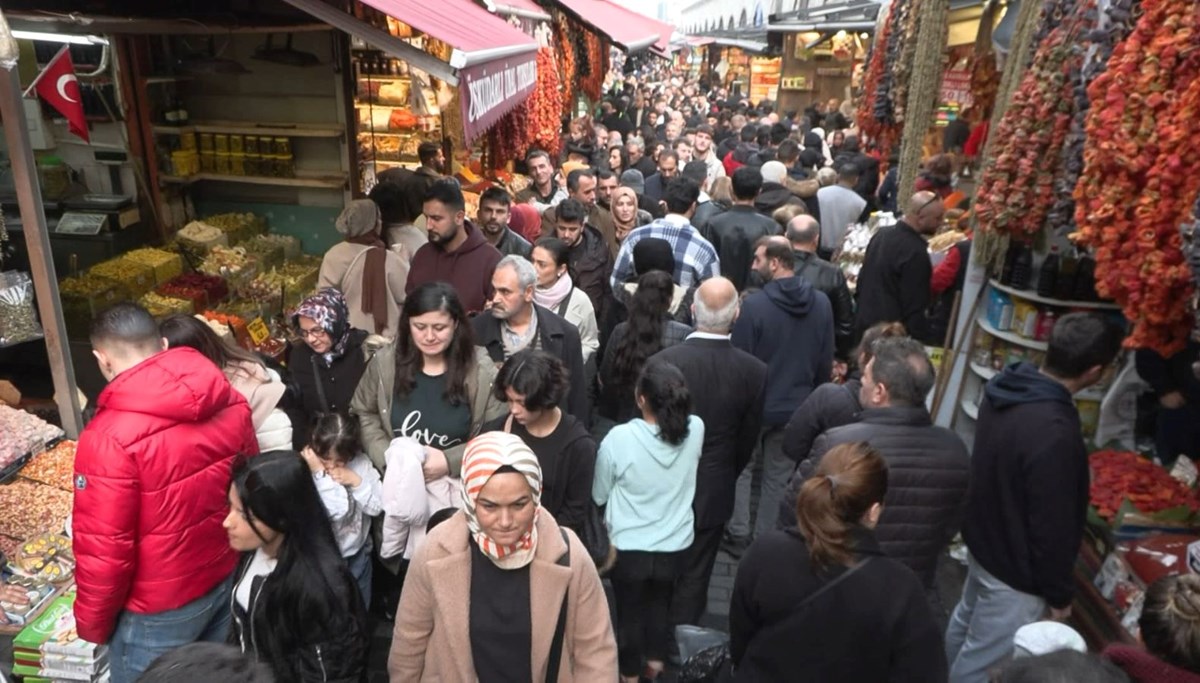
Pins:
x: 484, y: 455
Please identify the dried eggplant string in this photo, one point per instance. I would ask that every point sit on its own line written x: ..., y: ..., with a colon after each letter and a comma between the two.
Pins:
x: 923, y: 86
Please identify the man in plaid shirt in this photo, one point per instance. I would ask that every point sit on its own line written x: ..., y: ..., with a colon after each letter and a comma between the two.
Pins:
x: 695, y: 258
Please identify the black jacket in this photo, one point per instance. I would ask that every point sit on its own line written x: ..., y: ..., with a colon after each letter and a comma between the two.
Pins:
x: 893, y: 285
x: 874, y: 626
x: 557, y: 337
x: 513, y: 244
x: 310, y: 379
x: 828, y: 278
x: 829, y: 405
x: 928, y: 471
x: 733, y: 234
x: 774, y: 196
x: 728, y: 387
x: 655, y: 185
x: 705, y: 212
x: 591, y: 265
x: 1029, y: 492
x: 1165, y: 375
x: 616, y: 398
x: 332, y: 650
x: 646, y: 166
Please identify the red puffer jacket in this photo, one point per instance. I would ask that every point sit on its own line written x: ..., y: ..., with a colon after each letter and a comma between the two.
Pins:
x: 152, y: 473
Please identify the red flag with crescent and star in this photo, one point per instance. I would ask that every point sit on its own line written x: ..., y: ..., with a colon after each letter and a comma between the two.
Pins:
x: 59, y: 88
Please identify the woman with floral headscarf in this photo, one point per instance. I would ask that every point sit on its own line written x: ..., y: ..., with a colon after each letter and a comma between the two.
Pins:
x: 371, y: 276
x: 325, y: 363
x: 469, y: 610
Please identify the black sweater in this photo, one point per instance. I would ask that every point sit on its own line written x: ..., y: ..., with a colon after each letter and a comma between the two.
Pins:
x: 1029, y: 484
x: 875, y: 625
x: 893, y: 284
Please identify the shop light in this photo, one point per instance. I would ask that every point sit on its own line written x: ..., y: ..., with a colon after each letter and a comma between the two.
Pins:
x: 60, y: 38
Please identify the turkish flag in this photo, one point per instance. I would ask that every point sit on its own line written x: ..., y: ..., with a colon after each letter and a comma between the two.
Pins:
x: 58, y: 86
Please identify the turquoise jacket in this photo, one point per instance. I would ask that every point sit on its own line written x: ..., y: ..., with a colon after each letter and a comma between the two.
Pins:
x: 648, y: 486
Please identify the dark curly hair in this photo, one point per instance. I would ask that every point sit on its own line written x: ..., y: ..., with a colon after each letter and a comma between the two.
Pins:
x: 662, y: 386
x: 538, y: 376
x: 644, y: 336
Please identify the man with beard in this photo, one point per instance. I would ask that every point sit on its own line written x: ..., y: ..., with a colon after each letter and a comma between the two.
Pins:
x: 606, y: 184
x: 457, y: 252
x: 588, y: 255
x: 546, y: 192
x: 514, y: 323
x: 703, y: 151
x: 582, y: 185
x: 494, y: 206
x: 635, y: 146
x: 668, y: 166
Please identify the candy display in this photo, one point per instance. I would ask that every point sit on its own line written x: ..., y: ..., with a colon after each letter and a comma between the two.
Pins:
x: 162, y: 306
x: 231, y: 263
x: 55, y: 467
x: 222, y: 329
x: 28, y: 509
x: 197, y: 238
x: 238, y: 227
x: 1119, y: 476
x: 135, y: 278
x: 22, y: 432
x: 84, y: 297
x: 289, y: 244
x: 165, y: 264
x: 854, y: 245
x: 47, y: 557
x: 214, y: 288
x: 268, y: 253
x: 18, y: 319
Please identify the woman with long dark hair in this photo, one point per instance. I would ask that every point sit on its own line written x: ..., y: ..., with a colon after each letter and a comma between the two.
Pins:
x: 532, y: 383
x: 262, y: 388
x: 807, y: 599
x: 295, y: 603
x: 648, y: 330
x: 556, y: 291
x: 432, y: 384
x: 646, y: 475
x: 618, y: 159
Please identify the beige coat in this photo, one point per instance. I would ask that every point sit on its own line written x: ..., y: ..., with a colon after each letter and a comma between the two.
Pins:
x: 343, y: 266
x: 372, y: 404
x: 432, y: 642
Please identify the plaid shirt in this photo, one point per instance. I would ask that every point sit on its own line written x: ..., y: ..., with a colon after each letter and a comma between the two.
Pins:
x: 695, y: 258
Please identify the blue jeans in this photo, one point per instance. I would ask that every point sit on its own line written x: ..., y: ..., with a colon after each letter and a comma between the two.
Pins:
x: 360, y: 568
x: 981, y: 630
x: 139, y: 639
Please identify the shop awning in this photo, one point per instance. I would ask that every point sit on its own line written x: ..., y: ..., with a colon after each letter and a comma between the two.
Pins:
x: 627, y: 29
x: 526, y: 9
x: 493, y: 64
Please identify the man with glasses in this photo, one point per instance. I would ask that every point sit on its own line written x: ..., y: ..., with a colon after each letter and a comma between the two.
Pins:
x: 893, y: 285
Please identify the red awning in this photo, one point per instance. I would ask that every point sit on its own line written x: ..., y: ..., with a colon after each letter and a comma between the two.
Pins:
x: 527, y: 9
x: 475, y: 34
x: 625, y: 28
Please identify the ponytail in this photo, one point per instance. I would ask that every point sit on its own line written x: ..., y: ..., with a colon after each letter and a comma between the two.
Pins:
x: 662, y: 387
x: 848, y: 481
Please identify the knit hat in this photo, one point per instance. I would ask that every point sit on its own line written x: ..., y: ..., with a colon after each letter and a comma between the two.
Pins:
x: 634, y: 180
x: 774, y: 172
x: 652, y: 253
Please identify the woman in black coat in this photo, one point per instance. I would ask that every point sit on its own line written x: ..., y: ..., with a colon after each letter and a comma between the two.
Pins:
x: 325, y: 365
x: 822, y: 602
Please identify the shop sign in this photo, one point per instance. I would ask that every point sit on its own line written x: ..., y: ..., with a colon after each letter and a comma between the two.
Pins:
x: 834, y: 72
x: 956, y: 87
x: 489, y: 90
x: 796, y: 83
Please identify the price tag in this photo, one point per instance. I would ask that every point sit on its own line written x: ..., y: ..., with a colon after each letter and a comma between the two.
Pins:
x: 258, y: 331
x: 74, y: 223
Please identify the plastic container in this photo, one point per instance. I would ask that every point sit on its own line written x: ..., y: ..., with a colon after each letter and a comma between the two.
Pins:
x: 206, y: 142
x: 221, y: 141
x: 224, y: 165
x: 237, y: 144
x: 134, y: 277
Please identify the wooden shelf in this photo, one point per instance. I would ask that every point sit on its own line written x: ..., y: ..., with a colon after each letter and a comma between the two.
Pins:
x: 1030, y: 295
x: 288, y: 130
x: 325, y: 182
x: 970, y: 409
x: 1013, y: 337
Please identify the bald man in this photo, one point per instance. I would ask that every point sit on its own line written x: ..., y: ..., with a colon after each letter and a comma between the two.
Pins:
x: 727, y: 387
x: 893, y: 284
x: 804, y: 233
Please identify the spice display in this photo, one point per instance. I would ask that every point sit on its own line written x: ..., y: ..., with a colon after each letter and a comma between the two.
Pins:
x: 877, y: 112
x: 1119, y: 476
x: 135, y: 278
x: 165, y: 264
x: 18, y: 317
x: 1141, y: 174
x: 47, y: 557
x: 54, y: 468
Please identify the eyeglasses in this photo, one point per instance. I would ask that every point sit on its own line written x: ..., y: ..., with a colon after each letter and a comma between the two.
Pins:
x: 927, y: 204
x: 313, y: 333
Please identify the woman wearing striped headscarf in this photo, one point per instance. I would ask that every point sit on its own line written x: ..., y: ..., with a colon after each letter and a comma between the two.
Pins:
x: 469, y: 611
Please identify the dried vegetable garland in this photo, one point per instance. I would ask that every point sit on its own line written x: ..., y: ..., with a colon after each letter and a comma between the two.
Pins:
x: 877, y: 115
x: 536, y: 122
x: 592, y: 83
x: 904, y: 62
x: 565, y: 53
x: 985, y: 77
x: 934, y: 17
x: 1141, y: 173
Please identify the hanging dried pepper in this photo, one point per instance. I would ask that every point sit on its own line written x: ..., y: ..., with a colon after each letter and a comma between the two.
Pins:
x: 1141, y: 173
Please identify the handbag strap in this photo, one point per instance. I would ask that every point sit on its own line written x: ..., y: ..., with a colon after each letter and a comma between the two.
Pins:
x: 830, y: 584
x: 320, y: 383
x: 508, y: 424
x: 556, y: 645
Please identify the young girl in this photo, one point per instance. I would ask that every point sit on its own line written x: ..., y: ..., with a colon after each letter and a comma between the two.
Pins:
x: 295, y: 605
x: 349, y: 487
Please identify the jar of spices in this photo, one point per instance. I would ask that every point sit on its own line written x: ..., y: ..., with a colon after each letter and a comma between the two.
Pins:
x: 222, y: 143
x: 283, y: 146
x: 206, y: 142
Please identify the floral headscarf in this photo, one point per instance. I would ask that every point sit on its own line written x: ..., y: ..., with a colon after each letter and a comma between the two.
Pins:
x: 329, y: 310
x: 484, y: 455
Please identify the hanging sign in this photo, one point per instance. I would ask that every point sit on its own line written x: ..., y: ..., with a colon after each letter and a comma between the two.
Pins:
x: 956, y: 87
x: 490, y: 90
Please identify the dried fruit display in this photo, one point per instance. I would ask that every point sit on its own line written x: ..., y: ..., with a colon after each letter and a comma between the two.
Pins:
x: 877, y: 109
x: 9, y: 546
x: 238, y: 227
x: 21, y: 432
x: 135, y: 278
x: 1141, y: 173
x: 29, y: 509
x: 1118, y: 476
x: 161, y: 306
x: 564, y: 29
x: 164, y: 264
x: 214, y: 288
x: 55, y: 467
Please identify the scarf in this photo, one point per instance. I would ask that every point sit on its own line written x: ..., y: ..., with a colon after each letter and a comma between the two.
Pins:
x: 359, y: 223
x: 484, y: 455
x: 623, y: 229
x: 329, y: 310
x: 550, y: 297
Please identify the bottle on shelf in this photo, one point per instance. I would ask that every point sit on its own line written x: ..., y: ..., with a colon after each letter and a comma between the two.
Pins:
x: 1022, y: 269
x: 1048, y: 274
x: 1065, y: 287
x: 1085, y: 280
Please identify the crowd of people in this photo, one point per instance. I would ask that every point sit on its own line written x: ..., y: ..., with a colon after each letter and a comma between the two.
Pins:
x: 525, y: 435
